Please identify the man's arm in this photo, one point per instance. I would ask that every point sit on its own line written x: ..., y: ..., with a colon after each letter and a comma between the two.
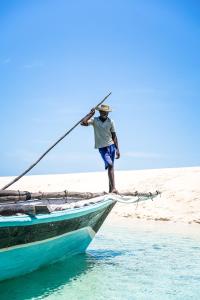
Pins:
x: 84, y: 122
x: 115, y: 140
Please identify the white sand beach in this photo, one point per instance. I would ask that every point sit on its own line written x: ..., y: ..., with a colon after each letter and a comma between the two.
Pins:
x: 179, y: 201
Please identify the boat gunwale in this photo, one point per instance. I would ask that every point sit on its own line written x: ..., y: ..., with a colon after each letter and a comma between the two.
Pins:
x: 69, y: 213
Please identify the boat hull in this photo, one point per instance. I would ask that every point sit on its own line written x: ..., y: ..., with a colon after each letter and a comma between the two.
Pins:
x: 28, y: 243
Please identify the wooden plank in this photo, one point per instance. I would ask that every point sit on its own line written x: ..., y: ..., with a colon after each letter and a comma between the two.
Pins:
x: 4, y: 193
x: 13, y: 209
x: 23, y: 195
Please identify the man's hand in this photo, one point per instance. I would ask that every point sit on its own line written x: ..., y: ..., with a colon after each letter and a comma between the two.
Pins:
x: 92, y: 112
x: 117, y: 154
x: 84, y: 121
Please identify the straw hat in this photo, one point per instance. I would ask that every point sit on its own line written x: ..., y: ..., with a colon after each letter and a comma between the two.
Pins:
x: 104, y: 107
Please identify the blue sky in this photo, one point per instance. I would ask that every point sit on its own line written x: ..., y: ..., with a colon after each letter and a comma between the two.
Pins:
x: 59, y: 58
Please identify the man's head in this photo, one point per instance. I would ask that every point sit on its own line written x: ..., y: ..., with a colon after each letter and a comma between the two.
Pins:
x: 104, y: 110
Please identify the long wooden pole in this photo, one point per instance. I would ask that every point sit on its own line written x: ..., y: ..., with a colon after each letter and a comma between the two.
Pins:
x: 45, y: 153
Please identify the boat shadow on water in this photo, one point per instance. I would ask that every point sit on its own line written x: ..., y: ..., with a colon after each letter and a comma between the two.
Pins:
x: 47, y: 280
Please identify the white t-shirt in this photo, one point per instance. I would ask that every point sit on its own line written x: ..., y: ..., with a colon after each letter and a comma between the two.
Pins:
x: 102, y: 131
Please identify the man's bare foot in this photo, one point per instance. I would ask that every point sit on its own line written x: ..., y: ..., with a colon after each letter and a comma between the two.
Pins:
x: 114, y: 191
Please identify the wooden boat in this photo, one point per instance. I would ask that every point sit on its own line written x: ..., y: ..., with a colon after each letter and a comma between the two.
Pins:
x: 30, y: 241
x: 33, y: 235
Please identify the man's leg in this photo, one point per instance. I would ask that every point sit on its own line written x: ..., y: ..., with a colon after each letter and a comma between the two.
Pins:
x: 111, y: 177
x: 110, y: 187
x: 108, y: 155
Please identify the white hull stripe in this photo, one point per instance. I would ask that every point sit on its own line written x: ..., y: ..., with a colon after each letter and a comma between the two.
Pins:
x: 91, y: 232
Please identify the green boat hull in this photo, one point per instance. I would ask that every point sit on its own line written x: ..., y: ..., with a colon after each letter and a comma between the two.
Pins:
x: 28, y: 243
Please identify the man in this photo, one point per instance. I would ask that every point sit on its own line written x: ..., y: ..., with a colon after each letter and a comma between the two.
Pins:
x: 105, y: 140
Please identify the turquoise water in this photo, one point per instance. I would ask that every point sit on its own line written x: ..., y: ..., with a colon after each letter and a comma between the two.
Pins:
x: 123, y: 262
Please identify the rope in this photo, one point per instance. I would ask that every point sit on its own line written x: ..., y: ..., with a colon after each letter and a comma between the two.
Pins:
x: 130, y: 200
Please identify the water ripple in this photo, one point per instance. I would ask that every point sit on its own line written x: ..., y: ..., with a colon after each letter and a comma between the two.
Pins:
x: 121, y: 263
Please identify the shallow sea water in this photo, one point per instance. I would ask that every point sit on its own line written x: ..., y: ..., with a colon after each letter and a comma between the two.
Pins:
x: 125, y: 261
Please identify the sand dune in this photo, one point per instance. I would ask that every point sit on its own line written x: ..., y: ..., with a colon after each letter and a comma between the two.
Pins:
x: 180, y: 188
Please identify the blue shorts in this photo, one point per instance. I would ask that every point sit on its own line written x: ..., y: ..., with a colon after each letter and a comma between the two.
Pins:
x: 108, y: 155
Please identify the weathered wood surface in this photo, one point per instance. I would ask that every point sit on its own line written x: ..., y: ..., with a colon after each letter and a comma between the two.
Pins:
x: 15, y: 196
x: 11, y: 193
x: 13, y: 209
